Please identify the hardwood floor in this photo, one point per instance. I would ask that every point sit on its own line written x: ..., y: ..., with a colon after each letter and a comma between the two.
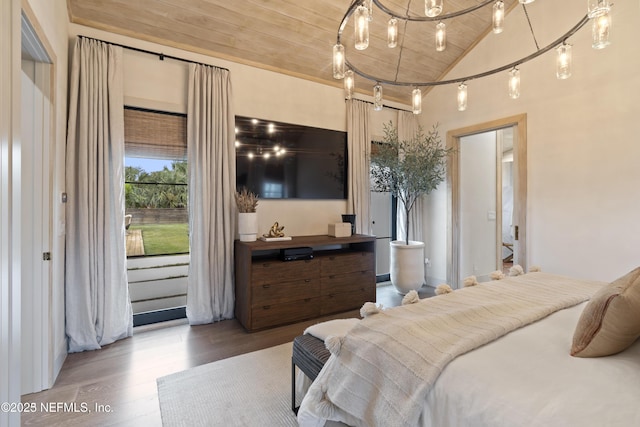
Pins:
x: 116, y: 386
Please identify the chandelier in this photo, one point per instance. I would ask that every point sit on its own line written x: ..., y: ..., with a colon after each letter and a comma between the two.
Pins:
x: 598, y: 12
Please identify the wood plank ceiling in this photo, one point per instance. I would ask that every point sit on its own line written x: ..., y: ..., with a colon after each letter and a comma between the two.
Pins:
x: 294, y: 37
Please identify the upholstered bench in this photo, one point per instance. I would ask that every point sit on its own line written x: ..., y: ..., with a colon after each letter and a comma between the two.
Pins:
x: 309, y: 355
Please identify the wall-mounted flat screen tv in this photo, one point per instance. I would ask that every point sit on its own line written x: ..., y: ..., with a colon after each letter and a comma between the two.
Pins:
x: 287, y: 161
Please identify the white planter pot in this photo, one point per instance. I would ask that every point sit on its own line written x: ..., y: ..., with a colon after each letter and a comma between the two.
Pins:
x: 248, y: 226
x: 407, y: 265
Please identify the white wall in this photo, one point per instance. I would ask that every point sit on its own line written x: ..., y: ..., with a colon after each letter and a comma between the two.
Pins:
x: 583, y: 174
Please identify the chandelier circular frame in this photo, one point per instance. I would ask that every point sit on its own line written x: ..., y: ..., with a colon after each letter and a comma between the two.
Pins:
x: 559, y: 41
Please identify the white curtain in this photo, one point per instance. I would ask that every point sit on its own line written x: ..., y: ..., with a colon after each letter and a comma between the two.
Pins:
x: 98, y: 309
x: 212, y: 213
x: 407, y: 127
x: 359, y: 150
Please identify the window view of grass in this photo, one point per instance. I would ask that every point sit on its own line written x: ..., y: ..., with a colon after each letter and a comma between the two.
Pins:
x: 160, y: 239
x: 156, y: 206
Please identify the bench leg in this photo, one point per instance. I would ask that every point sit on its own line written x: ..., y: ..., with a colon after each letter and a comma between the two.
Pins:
x: 293, y: 388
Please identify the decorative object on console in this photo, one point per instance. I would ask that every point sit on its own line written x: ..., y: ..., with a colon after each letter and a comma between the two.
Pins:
x: 340, y: 229
x: 408, y: 170
x: 247, y: 203
x: 433, y: 24
x: 351, y: 219
x: 275, y: 234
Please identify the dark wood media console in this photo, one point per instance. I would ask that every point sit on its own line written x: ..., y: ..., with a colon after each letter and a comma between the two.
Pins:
x: 271, y: 292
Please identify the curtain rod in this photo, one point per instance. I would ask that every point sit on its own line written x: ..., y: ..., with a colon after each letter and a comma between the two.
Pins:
x: 160, y: 55
x: 385, y: 106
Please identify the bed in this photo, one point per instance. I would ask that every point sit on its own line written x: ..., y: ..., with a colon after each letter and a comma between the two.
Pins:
x: 520, y: 374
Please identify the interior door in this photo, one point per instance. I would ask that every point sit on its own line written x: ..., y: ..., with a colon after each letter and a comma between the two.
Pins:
x: 37, y: 354
x: 485, y: 206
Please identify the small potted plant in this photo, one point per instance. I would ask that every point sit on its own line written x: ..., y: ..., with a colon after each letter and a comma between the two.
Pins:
x: 408, y: 169
x: 247, y: 203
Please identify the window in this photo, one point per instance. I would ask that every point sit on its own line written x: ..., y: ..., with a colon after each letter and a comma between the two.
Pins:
x: 155, y: 183
x: 156, y: 222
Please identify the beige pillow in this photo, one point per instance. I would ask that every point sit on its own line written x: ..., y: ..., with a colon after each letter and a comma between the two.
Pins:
x: 611, y: 320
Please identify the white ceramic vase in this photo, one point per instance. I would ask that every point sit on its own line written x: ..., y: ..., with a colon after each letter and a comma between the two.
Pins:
x: 407, y: 265
x: 248, y: 226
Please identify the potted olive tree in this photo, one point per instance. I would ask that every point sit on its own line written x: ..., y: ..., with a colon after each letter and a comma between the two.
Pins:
x: 408, y: 169
x: 247, y: 203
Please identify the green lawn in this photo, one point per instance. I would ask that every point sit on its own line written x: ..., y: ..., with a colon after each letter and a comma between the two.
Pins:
x: 162, y: 239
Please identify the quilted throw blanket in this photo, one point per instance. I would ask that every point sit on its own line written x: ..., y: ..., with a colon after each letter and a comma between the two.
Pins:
x: 379, y: 374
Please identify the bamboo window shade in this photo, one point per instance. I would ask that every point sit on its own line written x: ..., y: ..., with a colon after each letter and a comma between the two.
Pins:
x: 155, y: 134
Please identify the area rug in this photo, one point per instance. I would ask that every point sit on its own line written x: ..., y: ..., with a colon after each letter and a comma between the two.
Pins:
x: 253, y: 389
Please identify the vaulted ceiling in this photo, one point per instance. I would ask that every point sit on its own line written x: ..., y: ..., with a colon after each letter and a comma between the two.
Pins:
x: 295, y: 37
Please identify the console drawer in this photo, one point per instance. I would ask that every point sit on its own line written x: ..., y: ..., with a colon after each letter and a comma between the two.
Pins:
x: 273, y: 293
x: 353, y: 300
x: 283, y: 271
x: 346, y: 262
x: 279, y: 314
x: 338, y: 283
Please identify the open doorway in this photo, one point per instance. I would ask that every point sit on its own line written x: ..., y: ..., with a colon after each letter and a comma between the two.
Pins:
x: 487, y: 199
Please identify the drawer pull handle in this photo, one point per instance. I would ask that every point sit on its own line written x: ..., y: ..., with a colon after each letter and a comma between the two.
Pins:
x: 307, y: 299
x: 266, y: 286
x: 332, y: 258
x: 266, y: 307
x: 265, y: 265
x: 307, y: 280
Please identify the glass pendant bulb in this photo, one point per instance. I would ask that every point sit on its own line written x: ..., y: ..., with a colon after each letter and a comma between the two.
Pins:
x: 416, y: 101
x: 349, y: 84
x: 600, y: 30
x: 392, y: 33
x: 377, y: 97
x: 514, y: 83
x: 361, y: 25
x: 597, y: 7
x: 462, y: 97
x: 441, y: 37
x: 563, y: 61
x: 498, y: 17
x: 526, y: 1
x: 338, y: 61
x: 432, y: 8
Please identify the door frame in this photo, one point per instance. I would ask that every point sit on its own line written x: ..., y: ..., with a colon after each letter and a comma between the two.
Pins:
x: 519, y: 122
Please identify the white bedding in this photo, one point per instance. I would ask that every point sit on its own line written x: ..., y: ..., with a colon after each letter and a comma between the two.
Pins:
x: 527, y: 378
